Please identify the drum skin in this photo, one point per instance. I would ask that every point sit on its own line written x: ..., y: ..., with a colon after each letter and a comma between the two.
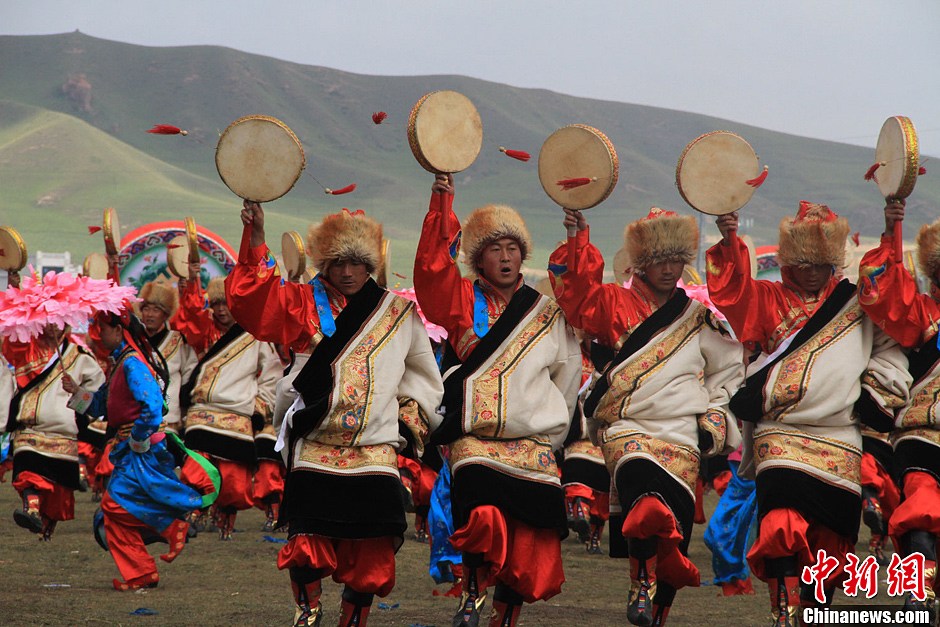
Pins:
x: 259, y: 158
x: 898, y: 154
x: 445, y: 132
x: 177, y: 256
x: 713, y: 173
x: 292, y: 251
x: 578, y: 151
x: 112, y: 231
x: 95, y: 266
x: 13, y: 254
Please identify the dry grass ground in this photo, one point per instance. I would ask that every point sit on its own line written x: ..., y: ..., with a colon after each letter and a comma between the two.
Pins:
x: 68, y: 582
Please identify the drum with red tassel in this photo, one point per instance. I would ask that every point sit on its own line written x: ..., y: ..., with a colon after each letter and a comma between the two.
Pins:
x: 718, y: 172
x: 578, y: 169
x: 259, y: 158
x: 897, y: 165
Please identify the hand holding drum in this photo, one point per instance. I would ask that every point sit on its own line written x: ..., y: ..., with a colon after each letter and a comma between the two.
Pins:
x: 259, y: 158
x: 578, y: 169
x: 445, y: 133
x: 897, y: 164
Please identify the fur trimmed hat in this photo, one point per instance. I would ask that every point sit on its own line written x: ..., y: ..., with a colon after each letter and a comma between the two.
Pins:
x: 345, y: 235
x: 489, y: 223
x: 815, y: 236
x: 159, y: 293
x: 215, y: 291
x: 928, y: 249
x: 661, y: 236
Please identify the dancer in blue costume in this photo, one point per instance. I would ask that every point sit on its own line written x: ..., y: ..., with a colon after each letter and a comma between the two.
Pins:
x: 730, y: 533
x: 144, y: 495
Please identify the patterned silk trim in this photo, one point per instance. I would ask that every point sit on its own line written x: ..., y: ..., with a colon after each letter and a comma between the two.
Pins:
x: 348, y: 459
x: 232, y: 424
x: 530, y: 458
x: 682, y: 462
x: 923, y: 408
x: 829, y: 459
x: 928, y: 435
x: 211, y: 372
x: 54, y: 446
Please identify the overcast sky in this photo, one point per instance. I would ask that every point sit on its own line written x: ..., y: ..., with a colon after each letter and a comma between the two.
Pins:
x: 831, y: 69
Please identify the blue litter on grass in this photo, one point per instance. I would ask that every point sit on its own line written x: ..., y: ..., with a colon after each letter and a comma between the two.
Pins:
x: 386, y: 606
x: 144, y: 611
x: 274, y: 540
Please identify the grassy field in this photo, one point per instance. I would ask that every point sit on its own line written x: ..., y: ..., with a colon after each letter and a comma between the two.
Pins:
x: 68, y: 582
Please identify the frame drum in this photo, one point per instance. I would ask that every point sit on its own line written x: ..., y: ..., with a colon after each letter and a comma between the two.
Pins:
x: 713, y: 173
x: 898, y: 154
x: 623, y: 267
x: 445, y: 132
x: 177, y: 256
x: 13, y: 252
x: 192, y: 240
x: 578, y: 151
x: 381, y: 274
x: 112, y: 231
x: 95, y: 266
x: 259, y: 158
x: 295, y: 260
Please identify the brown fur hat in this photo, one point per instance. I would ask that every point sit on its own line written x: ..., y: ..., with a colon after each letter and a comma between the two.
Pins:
x: 161, y: 294
x: 815, y: 236
x: 928, y: 249
x: 215, y: 291
x: 345, y: 235
x: 661, y: 236
x: 489, y: 223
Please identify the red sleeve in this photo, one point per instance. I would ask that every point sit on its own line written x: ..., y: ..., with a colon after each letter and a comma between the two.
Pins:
x: 27, y: 358
x: 604, y: 311
x: 194, y: 318
x: 269, y: 308
x: 888, y: 294
x: 445, y: 297
x: 748, y: 304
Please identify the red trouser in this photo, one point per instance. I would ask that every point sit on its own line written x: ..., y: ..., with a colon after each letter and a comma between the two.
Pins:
x: 56, y: 502
x: 524, y: 558
x: 125, y: 543
x: 650, y: 518
x: 236, y: 485
x: 269, y: 483
x: 366, y: 565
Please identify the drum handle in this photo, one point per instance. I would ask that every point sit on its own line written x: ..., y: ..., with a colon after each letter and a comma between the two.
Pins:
x: 572, y: 247
x: 898, y: 243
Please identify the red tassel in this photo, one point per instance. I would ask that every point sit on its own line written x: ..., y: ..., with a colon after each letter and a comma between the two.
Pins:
x: 516, y: 154
x: 93, y: 229
x: 567, y: 184
x: 921, y: 171
x: 759, y: 179
x: 173, y: 246
x: 400, y: 276
x: 855, y: 238
x: 167, y: 129
x: 357, y: 212
x: 344, y: 190
x: 870, y: 175
x: 379, y: 116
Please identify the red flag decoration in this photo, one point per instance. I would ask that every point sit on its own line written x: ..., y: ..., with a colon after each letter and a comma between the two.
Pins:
x: 167, y: 129
x: 855, y: 238
x: 758, y: 180
x: 93, y: 229
x: 379, y: 116
x: 516, y: 154
x: 567, y: 184
x: 343, y: 190
x: 870, y: 174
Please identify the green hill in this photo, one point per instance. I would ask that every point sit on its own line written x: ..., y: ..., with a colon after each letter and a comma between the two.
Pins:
x: 75, y: 109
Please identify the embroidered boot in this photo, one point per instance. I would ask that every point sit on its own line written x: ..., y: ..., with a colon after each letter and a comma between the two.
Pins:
x: 925, y: 543
x: 175, y: 535
x: 597, y: 531
x: 642, y: 580
x: 421, y: 529
x: 270, y: 517
x: 354, y: 609
x: 225, y: 520
x: 472, y: 599
x: 48, y: 528
x: 306, y: 586
x: 783, y: 584
x: 581, y: 512
x: 28, y: 517
x: 507, y: 603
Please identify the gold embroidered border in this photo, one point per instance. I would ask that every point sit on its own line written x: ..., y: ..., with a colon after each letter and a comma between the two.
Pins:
x: 794, y: 372
x: 585, y: 448
x: 409, y: 413
x: 171, y: 345
x: 356, y: 377
x: 29, y: 403
x: 57, y: 446
x: 488, y: 389
x: 616, y: 402
x: 923, y: 408
x: 930, y: 435
x: 825, y: 455
x: 210, y: 372
x: 347, y: 458
x: 682, y: 462
x: 526, y: 454
x: 222, y: 421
